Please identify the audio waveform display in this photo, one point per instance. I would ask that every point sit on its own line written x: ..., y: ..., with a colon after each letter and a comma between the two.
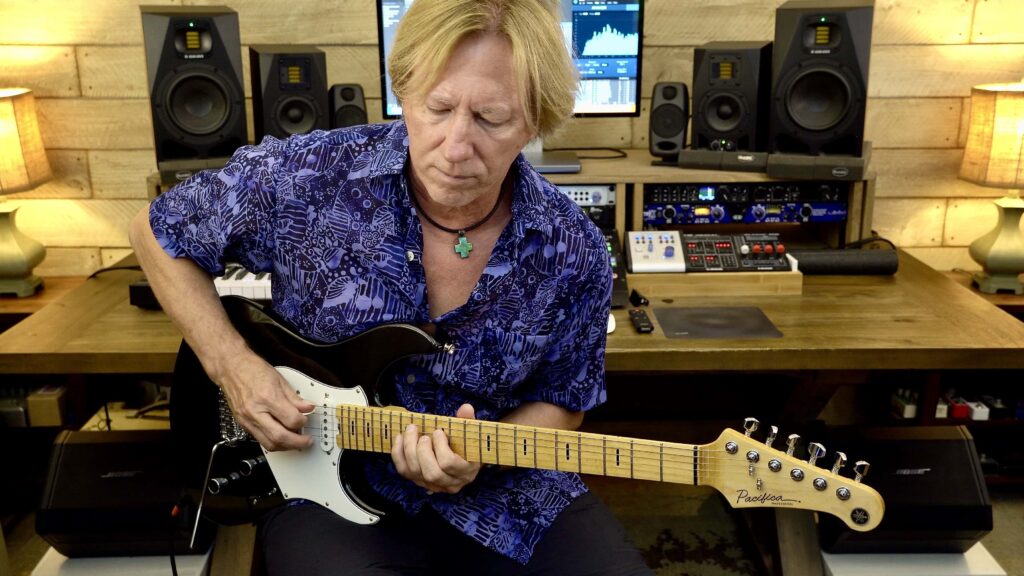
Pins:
x: 611, y: 42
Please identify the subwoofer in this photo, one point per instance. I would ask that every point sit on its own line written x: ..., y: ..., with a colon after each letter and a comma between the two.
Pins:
x: 194, y: 69
x: 348, y: 107
x: 289, y: 90
x: 731, y: 86
x: 820, y: 76
x: 670, y: 113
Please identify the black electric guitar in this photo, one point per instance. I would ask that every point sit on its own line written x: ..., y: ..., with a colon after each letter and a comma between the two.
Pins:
x: 341, y: 380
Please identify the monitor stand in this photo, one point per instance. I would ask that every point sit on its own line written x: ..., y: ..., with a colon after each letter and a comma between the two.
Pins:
x: 551, y: 161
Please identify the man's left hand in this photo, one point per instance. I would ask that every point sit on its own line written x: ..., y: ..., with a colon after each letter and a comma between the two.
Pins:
x: 429, y: 461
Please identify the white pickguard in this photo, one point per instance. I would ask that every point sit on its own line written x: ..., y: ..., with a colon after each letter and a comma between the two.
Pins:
x: 312, y: 473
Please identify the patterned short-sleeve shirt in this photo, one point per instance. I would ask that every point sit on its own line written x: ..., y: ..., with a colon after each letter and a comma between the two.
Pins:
x: 329, y: 215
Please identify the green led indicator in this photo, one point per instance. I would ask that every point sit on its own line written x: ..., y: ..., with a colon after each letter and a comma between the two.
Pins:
x: 822, y: 18
x: 191, y: 24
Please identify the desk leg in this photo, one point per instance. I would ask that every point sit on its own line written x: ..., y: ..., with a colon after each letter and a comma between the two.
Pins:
x: 799, y: 551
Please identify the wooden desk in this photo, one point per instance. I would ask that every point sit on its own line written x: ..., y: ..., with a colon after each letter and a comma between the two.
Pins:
x: 917, y: 319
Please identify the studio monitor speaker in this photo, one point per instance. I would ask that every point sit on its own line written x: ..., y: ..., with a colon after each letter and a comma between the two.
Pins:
x: 289, y: 89
x: 731, y: 86
x: 820, y: 76
x: 194, y: 76
x: 670, y: 112
x: 348, y: 107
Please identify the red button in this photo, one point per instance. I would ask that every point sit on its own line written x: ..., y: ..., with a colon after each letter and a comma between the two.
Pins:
x: 780, y: 249
x: 769, y: 249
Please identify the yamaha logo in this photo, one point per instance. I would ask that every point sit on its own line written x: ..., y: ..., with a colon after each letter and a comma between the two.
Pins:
x: 745, y: 158
x: 819, y: 51
x: 193, y: 56
x: 840, y: 172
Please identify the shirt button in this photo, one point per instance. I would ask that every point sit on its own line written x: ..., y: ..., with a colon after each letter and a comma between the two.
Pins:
x: 410, y: 256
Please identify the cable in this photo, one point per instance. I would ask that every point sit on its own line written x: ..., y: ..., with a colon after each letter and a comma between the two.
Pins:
x: 112, y: 268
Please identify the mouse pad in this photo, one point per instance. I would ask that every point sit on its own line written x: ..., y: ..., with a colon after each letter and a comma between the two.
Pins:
x: 721, y: 322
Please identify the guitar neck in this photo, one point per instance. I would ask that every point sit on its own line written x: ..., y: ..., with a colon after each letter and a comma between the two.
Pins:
x: 373, y: 429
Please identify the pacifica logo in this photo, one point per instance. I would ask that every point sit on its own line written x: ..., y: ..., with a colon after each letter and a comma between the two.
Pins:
x: 744, y: 497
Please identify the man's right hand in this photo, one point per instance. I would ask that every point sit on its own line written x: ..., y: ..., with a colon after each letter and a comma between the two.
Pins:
x: 266, y: 405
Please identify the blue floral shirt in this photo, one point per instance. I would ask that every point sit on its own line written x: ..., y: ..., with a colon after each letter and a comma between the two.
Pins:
x: 329, y: 215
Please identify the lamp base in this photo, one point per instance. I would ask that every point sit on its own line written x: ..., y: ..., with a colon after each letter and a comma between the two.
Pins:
x: 20, y: 287
x: 993, y: 283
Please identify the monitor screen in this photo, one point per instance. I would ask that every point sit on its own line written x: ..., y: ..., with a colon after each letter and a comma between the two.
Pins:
x: 604, y: 37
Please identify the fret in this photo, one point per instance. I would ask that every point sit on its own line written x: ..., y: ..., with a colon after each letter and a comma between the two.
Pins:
x: 618, y: 456
x: 515, y: 446
x: 455, y: 440
x: 544, y: 446
x: 489, y: 443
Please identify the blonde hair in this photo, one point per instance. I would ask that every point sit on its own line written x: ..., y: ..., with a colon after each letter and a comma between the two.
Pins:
x: 431, y: 29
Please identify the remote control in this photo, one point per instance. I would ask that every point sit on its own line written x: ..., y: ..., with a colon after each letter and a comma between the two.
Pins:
x: 640, y: 321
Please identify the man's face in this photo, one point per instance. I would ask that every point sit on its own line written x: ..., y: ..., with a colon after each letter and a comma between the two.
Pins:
x: 465, y: 131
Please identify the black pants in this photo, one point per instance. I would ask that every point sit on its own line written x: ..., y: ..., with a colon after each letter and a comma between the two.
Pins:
x: 313, y: 541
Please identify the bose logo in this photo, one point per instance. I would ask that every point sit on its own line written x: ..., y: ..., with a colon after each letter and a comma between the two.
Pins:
x: 745, y: 158
x: 840, y: 172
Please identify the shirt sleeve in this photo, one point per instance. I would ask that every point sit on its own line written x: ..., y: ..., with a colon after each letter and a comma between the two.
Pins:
x: 572, y: 373
x: 217, y: 216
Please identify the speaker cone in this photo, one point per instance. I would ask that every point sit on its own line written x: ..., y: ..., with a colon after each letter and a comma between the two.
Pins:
x: 198, y: 103
x: 818, y: 99
x: 723, y: 112
x: 667, y: 120
x: 296, y: 115
x: 349, y: 116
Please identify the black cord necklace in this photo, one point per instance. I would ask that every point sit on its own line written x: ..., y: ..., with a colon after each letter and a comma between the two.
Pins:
x: 462, y: 244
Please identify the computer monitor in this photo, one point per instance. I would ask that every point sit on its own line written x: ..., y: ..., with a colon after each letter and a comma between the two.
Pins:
x: 605, y: 38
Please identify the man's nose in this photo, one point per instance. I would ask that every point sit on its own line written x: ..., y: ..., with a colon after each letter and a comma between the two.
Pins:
x: 458, y: 145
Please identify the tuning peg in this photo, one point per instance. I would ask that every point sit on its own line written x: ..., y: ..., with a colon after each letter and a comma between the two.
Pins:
x: 771, y: 436
x: 816, y: 451
x: 791, y: 443
x: 750, y: 425
x: 860, y: 470
x: 839, y: 463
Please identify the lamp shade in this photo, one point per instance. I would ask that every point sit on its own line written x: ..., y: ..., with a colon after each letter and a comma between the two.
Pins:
x: 23, y: 164
x: 994, y: 155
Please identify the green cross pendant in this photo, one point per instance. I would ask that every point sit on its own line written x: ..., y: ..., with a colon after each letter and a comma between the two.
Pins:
x: 463, y: 247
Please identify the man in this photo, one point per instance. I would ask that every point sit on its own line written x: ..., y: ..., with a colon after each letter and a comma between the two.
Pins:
x: 437, y: 221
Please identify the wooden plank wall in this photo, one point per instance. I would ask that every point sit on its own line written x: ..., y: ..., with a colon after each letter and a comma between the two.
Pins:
x: 85, y: 62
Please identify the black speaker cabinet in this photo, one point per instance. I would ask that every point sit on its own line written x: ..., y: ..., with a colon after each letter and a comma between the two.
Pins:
x: 931, y: 481
x: 670, y: 112
x: 731, y: 87
x: 348, y: 107
x: 194, y: 69
x: 111, y: 493
x: 820, y: 76
x: 289, y: 90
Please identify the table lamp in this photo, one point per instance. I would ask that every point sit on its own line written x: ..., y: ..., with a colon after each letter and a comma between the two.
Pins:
x: 994, y: 156
x: 23, y: 166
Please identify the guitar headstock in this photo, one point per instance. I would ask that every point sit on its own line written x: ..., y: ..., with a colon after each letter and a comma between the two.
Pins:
x: 752, y: 474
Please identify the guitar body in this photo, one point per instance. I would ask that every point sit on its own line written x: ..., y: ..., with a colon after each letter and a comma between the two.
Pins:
x: 326, y: 375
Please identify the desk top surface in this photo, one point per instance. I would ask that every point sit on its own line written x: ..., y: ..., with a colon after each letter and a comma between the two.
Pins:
x: 916, y: 319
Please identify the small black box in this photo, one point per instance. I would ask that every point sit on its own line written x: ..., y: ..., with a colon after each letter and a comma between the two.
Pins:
x: 932, y: 484
x: 111, y: 494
